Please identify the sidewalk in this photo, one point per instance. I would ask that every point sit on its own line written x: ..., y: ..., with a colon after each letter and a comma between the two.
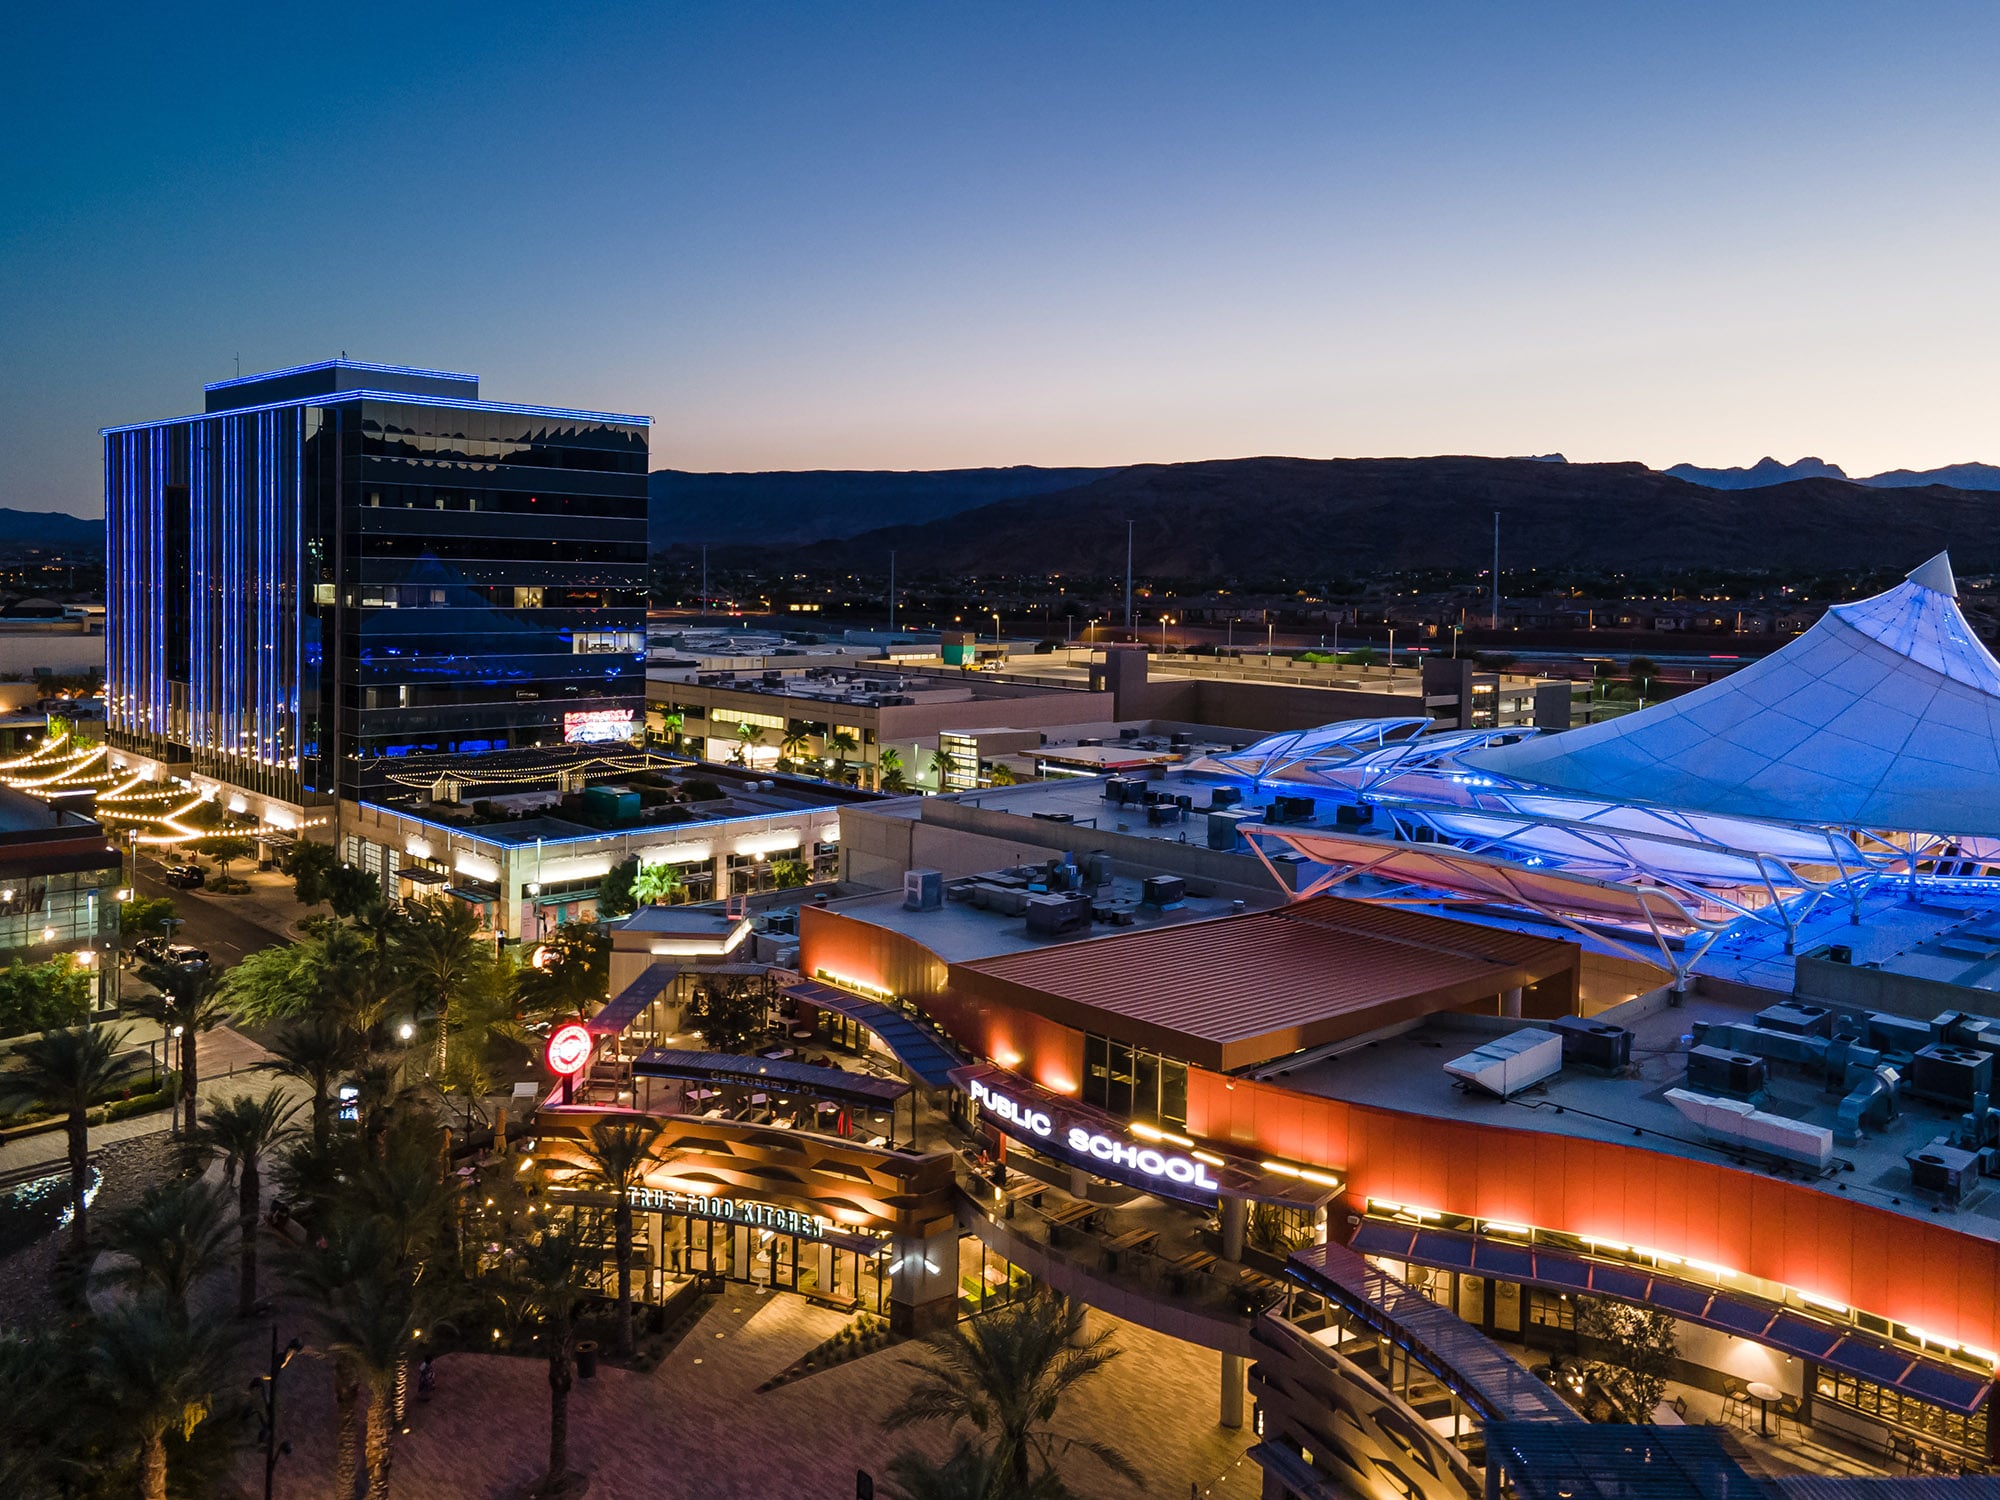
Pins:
x: 223, y: 1058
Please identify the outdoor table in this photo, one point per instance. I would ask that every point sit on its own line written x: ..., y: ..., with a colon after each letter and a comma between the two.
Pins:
x: 1070, y: 1213
x: 760, y: 1098
x: 1195, y: 1260
x: 802, y: 1033
x: 1766, y: 1396
x: 779, y: 1054
x: 1132, y: 1239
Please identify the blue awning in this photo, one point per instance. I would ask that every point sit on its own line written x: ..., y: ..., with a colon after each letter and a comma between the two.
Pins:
x: 916, y: 1048
x: 623, y: 1008
x: 1768, y: 1323
x: 769, y: 1073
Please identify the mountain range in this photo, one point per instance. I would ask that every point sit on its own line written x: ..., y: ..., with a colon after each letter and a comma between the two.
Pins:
x: 54, y: 528
x: 812, y: 505
x: 1310, y: 519
x: 1768, y: 471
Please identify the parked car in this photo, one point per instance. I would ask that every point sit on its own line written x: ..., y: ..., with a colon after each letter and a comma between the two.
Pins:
x: 187, y: 877
x: 183, y: 956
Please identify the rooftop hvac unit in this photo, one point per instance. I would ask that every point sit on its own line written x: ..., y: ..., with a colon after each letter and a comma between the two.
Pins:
x: 1223, y: 825
x: 1164, y: 891
x: 1508, y: 1064
x: 1735, y: 1123
x: 1951, y: 1074
x: 1224, y: 796
x: 1593, y: 1044
x: 923, y: 890
x: 1796, y: 1018
x: 1944, y: 1169
x: 1719, y: 1071
x: 1056, y: 915
x: 1096, y: 870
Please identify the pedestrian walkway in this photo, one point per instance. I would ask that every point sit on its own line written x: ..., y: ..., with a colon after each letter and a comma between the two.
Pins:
x: 223, y: 1059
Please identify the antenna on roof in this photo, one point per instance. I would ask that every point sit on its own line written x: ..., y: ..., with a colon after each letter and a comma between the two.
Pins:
x: 1936, y: 575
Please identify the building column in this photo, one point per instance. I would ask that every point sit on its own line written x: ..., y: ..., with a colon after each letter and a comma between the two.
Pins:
x: 1235, y: 1220
x: 1233, y: 1366
x: 1510, y: 1004
x: 1079, y: 1183
x: 721, y: 892
x: 923, y: 1281
x: 825, y: 1269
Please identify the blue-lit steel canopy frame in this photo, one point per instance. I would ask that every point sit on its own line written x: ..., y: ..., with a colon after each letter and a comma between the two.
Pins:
x: 916, y: 1048
x: 1297, y: 753
x: 1492, y: 1382
x: 1607, y: 911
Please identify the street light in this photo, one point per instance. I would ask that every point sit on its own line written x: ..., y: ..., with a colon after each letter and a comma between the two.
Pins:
x: 267, y: 1385
x: 996, y: 628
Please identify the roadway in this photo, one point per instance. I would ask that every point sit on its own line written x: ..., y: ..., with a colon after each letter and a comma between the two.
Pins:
x: 215, y: 923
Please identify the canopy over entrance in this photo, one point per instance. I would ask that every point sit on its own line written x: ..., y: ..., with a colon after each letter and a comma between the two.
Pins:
x: 1885, y: 715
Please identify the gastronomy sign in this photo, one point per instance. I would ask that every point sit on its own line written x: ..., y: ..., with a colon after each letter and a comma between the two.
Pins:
x: 1088, y: 1144
x: 730, y: 1211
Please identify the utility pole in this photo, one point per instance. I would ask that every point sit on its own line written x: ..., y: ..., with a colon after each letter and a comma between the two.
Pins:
x: 1496, y: 570
x: 1128, y: 575
x: 892, y: 591
x: 268, y: 1389
x: 704, y: 583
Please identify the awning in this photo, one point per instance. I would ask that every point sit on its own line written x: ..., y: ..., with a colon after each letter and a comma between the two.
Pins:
x: 623, y: 1008
x: 1490, y: 1380
x: 917, y: 1049
x: 1767, y: 1323
x: 837, y: 1084
x: 420, y: 875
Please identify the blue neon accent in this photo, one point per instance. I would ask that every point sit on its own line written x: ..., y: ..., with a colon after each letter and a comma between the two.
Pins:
x: 337, y: 364
x: 397, y: 398
x: 459, y: 830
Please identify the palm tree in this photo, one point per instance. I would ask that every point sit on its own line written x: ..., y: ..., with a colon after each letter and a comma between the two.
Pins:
x: 616, y: 1155
x: 244, y: 1132
x: 747, y: 735
x: 370, y: 1310
x: 843, y: 744
x: 971, y: 1473
x: 68, y: 1070
x: 444, y: 962
x: 797, y: 740
x: 156, y: 1374
x: 940, y: 766
x: 1006, y: 1373
x: 546, y: 1289
x: 173, y: 1236
x: 185, y: 1003
x: 317, y: 1051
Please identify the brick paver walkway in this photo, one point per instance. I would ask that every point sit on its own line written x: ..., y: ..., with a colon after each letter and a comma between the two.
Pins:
x: 695, y: 1429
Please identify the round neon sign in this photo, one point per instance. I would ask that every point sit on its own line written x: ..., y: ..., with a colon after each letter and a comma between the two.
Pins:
x: 570, y: 1046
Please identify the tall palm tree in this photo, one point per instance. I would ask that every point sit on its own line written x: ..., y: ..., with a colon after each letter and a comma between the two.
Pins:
x: 843, y: 744
x: 940, y: 765
x: 244, y: 1132
x: 156, y: 1374
x: 173, y: 1236
x: 546, y: 1287
x: 68, y: 1070
x: 616, y: 1155
x: 747, y: 735
x: 370, y: 1310
x: 797, y: 740
x: 443, y: 962
x: 1006, y: 1373
x: 184, y: 1002
x: 317, y: 1051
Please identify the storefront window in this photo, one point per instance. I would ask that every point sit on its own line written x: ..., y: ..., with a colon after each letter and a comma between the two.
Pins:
x: 1894, y: 1408
x: 1133, y: 1082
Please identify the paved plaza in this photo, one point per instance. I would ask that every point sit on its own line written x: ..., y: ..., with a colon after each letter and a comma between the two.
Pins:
x: 696, y: 1428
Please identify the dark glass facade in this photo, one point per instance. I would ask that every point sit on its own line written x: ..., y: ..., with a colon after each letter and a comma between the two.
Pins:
x: 300, y: 593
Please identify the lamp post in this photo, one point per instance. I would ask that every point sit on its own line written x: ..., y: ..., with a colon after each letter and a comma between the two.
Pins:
x: 267, y: 1387
x: 1163, y: 633
x: 996, y: 628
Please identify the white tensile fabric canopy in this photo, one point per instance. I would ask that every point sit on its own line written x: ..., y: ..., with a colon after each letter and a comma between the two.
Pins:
x: 1885, y: 715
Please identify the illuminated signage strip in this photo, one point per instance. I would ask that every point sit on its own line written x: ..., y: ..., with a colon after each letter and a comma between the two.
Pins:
x: 1132, y: 1153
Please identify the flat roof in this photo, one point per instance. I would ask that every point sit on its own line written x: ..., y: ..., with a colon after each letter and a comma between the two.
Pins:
x: 1405, y: 1072
x: 1242, y: 990
x: 958, y: 931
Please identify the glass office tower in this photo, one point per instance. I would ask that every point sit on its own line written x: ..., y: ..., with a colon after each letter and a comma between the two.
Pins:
x: 336, y: 566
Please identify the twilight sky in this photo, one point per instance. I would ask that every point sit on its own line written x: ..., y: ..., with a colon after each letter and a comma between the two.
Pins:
x: 1080, y: 232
